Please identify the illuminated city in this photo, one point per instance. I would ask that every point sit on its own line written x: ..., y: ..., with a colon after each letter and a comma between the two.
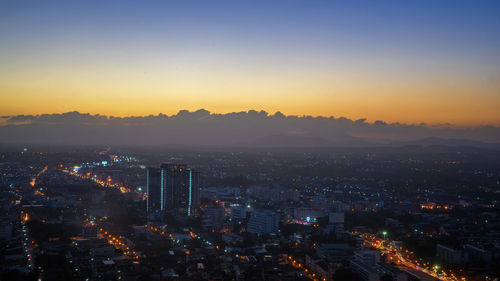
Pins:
x: 278, y: 140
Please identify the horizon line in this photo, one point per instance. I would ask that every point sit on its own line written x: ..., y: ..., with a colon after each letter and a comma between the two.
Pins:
x: 264, y: 112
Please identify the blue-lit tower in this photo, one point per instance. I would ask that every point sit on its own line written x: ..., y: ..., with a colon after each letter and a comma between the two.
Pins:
x: 153, y: 182
x: 177, y: 190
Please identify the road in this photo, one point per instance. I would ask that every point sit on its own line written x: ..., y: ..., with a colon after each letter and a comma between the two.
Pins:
x: 407, y: 261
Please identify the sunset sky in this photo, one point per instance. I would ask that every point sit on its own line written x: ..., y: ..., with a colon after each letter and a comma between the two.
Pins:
x: 397, y: 61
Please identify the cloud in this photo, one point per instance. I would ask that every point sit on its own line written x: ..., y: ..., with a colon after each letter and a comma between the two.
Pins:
x: 201, y: 127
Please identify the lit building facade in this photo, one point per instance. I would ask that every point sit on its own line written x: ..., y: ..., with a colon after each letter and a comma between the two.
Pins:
x: 173, y: 187
x: 153, y: 181
x: 263, y: 222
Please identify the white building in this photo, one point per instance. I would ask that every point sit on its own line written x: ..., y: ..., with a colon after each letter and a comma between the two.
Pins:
x: 215, y: 213
x: 364, y: 265
x: 238, y: 212
x: 449, y: 255
x: 263, y: 222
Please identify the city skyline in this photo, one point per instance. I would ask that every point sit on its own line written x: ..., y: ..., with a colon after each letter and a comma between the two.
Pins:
x: 431, y: 62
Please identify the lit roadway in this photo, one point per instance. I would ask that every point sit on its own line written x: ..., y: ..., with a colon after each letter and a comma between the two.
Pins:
x: 119, y: 242
x: 405, y: 259
x: 27, y: 243
x: 305, y: 271
x: 33, y: 181
x: 24, y: 217
x: 103, y: 183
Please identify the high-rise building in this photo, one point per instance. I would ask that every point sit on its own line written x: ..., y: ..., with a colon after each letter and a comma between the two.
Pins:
x: 238, y: 212
x: 336, y: 224
x: 173, y: 187
x: 263, y: 222
x: 364, y: 265
x: 153, y: 182
x: 217, y: 214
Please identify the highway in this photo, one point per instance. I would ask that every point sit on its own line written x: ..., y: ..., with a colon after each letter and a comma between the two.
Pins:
x: 407, y: 261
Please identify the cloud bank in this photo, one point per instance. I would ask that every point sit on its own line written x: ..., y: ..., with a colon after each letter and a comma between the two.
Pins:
x: 201, y: 127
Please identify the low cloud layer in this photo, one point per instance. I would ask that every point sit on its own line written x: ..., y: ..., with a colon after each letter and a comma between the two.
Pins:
x: 252, y: 128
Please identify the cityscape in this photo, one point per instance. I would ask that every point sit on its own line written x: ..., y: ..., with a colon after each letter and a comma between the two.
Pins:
x: 398, y: 213
x: 250, y: 140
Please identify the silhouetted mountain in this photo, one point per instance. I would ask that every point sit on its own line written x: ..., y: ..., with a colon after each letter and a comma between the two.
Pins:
x: 252, y: 128
x: 434, y: 141
x: 304, y: 141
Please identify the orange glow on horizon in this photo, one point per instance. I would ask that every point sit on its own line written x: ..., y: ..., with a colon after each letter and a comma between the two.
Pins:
x: 429, y: 116
x: 462, y: 101
x: 324, y: 63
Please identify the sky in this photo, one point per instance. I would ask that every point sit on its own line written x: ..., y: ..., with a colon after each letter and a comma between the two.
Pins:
x: 398, y: 61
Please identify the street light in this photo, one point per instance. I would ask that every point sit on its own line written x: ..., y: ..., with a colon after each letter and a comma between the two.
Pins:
x: 436, y: 268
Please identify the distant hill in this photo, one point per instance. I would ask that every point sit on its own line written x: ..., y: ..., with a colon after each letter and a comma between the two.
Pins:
x: 433, y: 141
x: 245, y: 128
x: 304, y: 141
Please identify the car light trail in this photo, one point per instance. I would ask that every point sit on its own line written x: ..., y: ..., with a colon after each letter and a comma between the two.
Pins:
x: 404, y: 258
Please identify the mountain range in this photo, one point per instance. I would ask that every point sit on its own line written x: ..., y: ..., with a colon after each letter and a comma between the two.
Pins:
x: 247, y: 128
